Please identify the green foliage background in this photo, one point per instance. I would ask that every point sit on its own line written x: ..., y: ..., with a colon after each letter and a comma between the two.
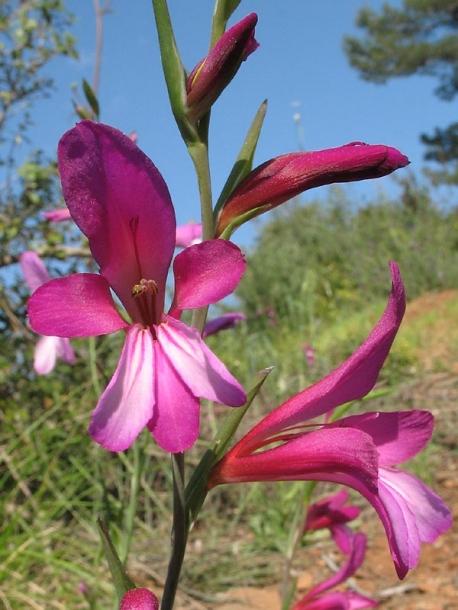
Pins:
x: 331, y: 256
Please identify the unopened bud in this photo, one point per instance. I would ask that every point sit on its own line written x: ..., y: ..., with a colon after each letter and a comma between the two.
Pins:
x: 282, y: 178
x: 213, y: 73
x: 139, y: 599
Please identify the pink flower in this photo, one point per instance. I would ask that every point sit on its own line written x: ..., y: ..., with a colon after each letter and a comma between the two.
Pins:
x: 120, y: 202
x: 188, y: 235
x: 47, y: 349
x: 345, y: 600
x: 282, y: 178
x: 355, y: 451
x: 213, y: 73
x: 139, y: 599
x: 332, y: 514
x: 224, y: 322
x: 59, y: 215
x: 411, y: 513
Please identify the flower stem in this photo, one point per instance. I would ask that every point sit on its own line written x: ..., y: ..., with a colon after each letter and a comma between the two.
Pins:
x: 199, y: 156
x: 93, y: 365
x: 135, y: 472
x: 295, y: 535
x: 179, y: 533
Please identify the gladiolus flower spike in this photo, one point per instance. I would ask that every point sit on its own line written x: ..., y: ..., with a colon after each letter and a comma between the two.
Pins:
x: 357, y: 451
x: 213, y: 73
x: 284, y: 177
x: 121, y: 203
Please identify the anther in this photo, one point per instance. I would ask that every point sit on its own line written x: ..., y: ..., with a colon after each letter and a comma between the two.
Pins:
x: 143, y: 287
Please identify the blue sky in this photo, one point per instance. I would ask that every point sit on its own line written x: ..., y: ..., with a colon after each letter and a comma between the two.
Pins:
x: 299, y: 67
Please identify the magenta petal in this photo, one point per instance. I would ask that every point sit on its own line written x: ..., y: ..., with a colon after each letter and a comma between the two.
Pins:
x: 78, y: 305
x: 355, y: 601
x: 330, y: 511
x: 353, y: 562
x: 206, y: 273
x: 399, y: 436
x: 175, y: 424
x: 33, y: 270
x: 351, y: 380
x: 120, y: 201
x: 337, y: 600
x: 196, y: 365
x: 342, y: 535
x: 333, y: 455
x: 411, y: 513
x: 128, y: 402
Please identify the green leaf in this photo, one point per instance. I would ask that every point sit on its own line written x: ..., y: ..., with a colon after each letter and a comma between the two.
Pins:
x: 82, y: 112
x: 244, y: 162
x: 242, y: 219
x: 91, y: 98
x: 121, y: 580
x: 174, y: 72
x: 196, y: 491
x: 223, y: 438
x: 221, y: 15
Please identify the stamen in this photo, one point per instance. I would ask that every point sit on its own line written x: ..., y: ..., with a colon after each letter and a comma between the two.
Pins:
x: 143, y: 287
x: 145, y: 295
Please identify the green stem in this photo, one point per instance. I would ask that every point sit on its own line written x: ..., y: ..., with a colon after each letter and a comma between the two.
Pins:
x: 199, y: 156
x: 295, y: 535
x: 93, y: 365
x: 221, y: 13
x: 129, y: 519
x: 179, y: 533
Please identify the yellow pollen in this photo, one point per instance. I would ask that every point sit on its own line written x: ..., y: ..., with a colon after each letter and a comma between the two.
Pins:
x: 143, y: 287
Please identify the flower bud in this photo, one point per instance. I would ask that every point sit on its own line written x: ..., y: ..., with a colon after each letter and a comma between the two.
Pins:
x: 224, y: 322
x: 139, y: 599
x: 213, y: 73
x: 282, y: 178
